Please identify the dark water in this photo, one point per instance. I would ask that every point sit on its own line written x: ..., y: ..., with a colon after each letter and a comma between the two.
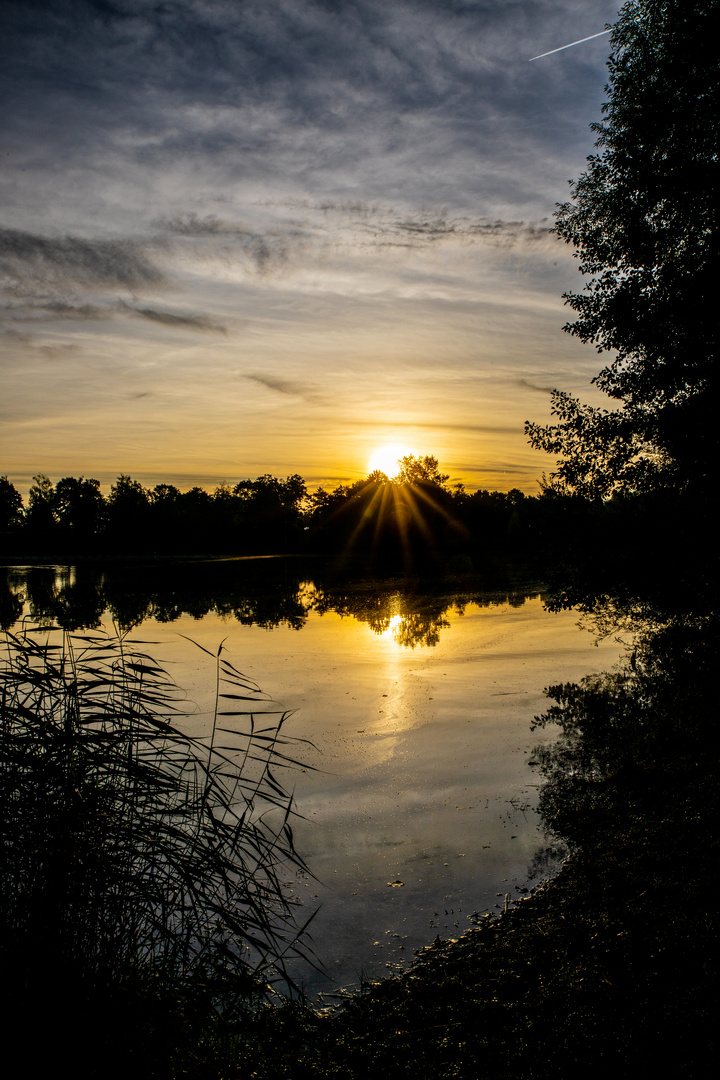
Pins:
x: 417, y: 698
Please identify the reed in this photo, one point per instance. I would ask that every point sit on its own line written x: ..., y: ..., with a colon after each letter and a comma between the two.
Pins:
x: 133, y: 853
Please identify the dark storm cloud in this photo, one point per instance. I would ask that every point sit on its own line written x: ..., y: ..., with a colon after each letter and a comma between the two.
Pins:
x: 29, y: 262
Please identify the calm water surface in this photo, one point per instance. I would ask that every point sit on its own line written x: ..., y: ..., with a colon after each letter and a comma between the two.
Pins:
x: 420, y: 810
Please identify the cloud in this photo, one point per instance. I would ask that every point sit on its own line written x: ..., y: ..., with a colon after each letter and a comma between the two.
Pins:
x: 180, y: 322
x: 29, y: 262
x: 191, y: 224
x: 498, y: 471
x: 442, y: 425
x: 420, y: 227
x: 37, y: 309
x: 498, y: 233
x: 136, y: 103
x: 268, y: 250
x: 327, y: 228
x: 534, y: 386
x: 291, y: 387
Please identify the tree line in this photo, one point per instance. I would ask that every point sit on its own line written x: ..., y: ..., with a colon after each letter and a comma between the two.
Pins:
x: 415, y: 516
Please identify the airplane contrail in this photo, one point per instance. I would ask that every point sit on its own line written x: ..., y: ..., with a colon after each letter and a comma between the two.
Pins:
x: 579, y: 42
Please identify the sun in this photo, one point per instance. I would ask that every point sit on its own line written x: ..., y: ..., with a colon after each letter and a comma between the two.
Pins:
x: 386, y: 458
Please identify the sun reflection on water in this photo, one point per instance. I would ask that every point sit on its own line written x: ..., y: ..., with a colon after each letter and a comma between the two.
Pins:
x: 394, y: 712
x: 390, y: 634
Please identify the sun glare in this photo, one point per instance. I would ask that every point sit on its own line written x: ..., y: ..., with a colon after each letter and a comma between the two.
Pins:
x: 386, y: 458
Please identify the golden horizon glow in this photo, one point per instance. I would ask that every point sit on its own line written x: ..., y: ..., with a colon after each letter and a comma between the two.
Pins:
x: 387, y: 458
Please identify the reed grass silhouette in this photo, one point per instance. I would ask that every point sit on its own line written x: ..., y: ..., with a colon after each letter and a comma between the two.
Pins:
x: 137, y: 859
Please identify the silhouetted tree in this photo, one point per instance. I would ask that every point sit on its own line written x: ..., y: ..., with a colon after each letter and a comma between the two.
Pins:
x: 11, y: 505
x: 643, y: 219
x: 128, y: 494
x: 416, y: 470
x: 269, y: 512
x: 128, y: 515
x: 40, y: 517
x: 79, y: 506
x: 164, y: 493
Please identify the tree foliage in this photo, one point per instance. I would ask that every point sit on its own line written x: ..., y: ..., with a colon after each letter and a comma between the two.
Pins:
x: 643, y: 220
x: 10, y: 505
x: 79, y: 505
x: 420, y: 470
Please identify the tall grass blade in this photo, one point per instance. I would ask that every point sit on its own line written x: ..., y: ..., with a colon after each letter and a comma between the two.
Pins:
x: 131, y: 849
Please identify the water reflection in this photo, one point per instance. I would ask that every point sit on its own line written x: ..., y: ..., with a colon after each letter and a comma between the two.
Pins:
x: 419, y: 699
x: 266, y: 593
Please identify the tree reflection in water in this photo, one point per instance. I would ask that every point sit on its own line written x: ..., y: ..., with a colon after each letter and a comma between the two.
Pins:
x: 631, y: 788
x: 612, y: 963
x: 264, y: 593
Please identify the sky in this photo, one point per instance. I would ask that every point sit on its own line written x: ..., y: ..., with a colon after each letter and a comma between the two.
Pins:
x: 241, y: 237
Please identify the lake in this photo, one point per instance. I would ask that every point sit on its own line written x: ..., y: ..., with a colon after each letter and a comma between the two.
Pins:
x: 417, y: 699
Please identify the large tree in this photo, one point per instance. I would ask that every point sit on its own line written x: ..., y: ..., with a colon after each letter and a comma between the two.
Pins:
x: 78, y: 505
x: 643, y: 220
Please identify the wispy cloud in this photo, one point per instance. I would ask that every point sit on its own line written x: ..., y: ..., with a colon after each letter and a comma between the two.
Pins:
x: 440, y: 426
x: 292, y: 387
x: 267, y: 250
x: 530, y: 385
x: 318, y: 231
x: 177, y: 321
x: 29, y: 261
x: 37, y: 309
